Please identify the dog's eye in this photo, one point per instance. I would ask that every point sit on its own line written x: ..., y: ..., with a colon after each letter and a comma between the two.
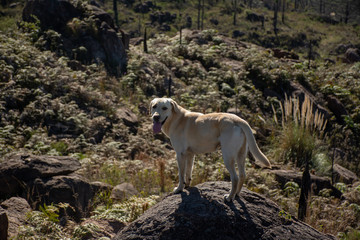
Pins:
x: 154, y: 106
x: 164, y: 108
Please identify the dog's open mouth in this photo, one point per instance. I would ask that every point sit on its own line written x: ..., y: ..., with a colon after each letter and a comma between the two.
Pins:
x: 157, y: 126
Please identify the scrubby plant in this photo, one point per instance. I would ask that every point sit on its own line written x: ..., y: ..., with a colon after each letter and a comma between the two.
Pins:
x: 300, y: 124
x: 126, y: 211
x: 42, y: 224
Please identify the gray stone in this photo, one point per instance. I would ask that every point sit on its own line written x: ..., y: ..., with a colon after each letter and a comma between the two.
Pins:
x: 4, y: 223
x: 344, y: 175
x: 18, y: 169
x: 16, y: 209
x: 123, y: 191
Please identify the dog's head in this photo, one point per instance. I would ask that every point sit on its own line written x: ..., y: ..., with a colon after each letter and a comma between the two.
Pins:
x: 161, y: 110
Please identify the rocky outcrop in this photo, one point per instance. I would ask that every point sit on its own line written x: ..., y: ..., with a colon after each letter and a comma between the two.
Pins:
x: 344, y: 175
x: 19, y: 169
x: 352, y: 55
x: 87, y: 33
x: 74, y: 190
x: 201, y: 213
x: 16, y: 209
x: 4, y: 223
x: 46, y: 180
x: 337, y: 108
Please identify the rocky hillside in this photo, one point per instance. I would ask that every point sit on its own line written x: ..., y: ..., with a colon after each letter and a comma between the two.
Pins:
x: 60, y: 101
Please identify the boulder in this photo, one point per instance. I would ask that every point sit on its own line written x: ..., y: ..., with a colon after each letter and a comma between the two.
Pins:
x: 162, y: 17
x: 318, y: 183
x: 53, y: 14
x: 237, y: 33
x: 253, y: 17
x: 344, y: 175
x: 279, y: 53
x: 87, y: 33
x: 200, y: 212
x: 19, y: 169
x: 74, y: 190
x: 16, y: 209
x: 123, y: 191
x: 337, y: 108
x: 352, y: 55
x: 4, y: 223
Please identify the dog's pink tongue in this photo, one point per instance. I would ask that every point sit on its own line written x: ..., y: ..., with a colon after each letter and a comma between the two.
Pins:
x: 157, y: 127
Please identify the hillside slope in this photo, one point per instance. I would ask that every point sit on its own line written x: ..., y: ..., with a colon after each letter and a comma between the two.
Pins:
x: 54, y: 105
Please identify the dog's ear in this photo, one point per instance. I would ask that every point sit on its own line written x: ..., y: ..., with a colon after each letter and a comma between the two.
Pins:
x: 175, y: 106
x: 151, y: 105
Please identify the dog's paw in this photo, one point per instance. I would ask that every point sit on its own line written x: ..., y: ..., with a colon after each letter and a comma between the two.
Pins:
x: 177, y: 190
x: 228, y: 198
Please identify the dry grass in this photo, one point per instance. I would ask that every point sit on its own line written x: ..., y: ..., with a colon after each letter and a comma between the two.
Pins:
x: 302, y: 114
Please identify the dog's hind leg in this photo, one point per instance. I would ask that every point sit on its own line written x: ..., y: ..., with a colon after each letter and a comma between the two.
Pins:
x: 229, y: 162
x: 241, y: 166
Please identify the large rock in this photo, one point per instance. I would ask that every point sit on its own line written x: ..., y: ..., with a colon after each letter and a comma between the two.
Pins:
x: 74, y: 190
x: 337, y: 108
x: 123, y: 191
x: 201, y: 213
x: 352, y: 55
x: 4, y: 223
x: 344, y: 175
x: 87, y: 32
x: 19, y: 169
x: 16, y: 209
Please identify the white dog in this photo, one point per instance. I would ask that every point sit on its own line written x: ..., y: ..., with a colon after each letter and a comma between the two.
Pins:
x: 191, y: 133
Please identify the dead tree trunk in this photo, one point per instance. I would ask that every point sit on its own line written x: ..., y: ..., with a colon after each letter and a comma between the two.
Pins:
x: 305, y: 193
x: 202, y: 14
x: 235, y: 11
x: 199, y: 13
x: 116, y: 12
x: 347, y: 13
x: 145, y: 42
x: 276, y: 8
x: 283, y: 11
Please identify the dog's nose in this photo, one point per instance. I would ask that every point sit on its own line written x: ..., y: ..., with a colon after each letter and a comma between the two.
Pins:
x: 156, y: 118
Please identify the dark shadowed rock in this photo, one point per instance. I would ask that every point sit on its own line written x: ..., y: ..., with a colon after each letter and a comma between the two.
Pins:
x: 337, y: 108
x: 74, y: 190
x: 344, y: 175
x: 201, y: 213
x: 16, y: 171
x: 52, y: 14
x: 16, y: 209
x: 352, y: 55
x: 253, y: 17
x: 318, y: 183
x: 86, y: 32
x: 4, y: 223
x: 279, y: 53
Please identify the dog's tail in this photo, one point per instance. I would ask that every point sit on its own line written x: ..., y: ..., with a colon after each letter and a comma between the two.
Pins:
x: 253, y: 147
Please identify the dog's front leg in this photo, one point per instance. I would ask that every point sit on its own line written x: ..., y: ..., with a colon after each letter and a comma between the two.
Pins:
x: 181, y: 161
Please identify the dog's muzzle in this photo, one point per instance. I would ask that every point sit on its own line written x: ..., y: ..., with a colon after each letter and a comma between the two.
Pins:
x: 157, y: 125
